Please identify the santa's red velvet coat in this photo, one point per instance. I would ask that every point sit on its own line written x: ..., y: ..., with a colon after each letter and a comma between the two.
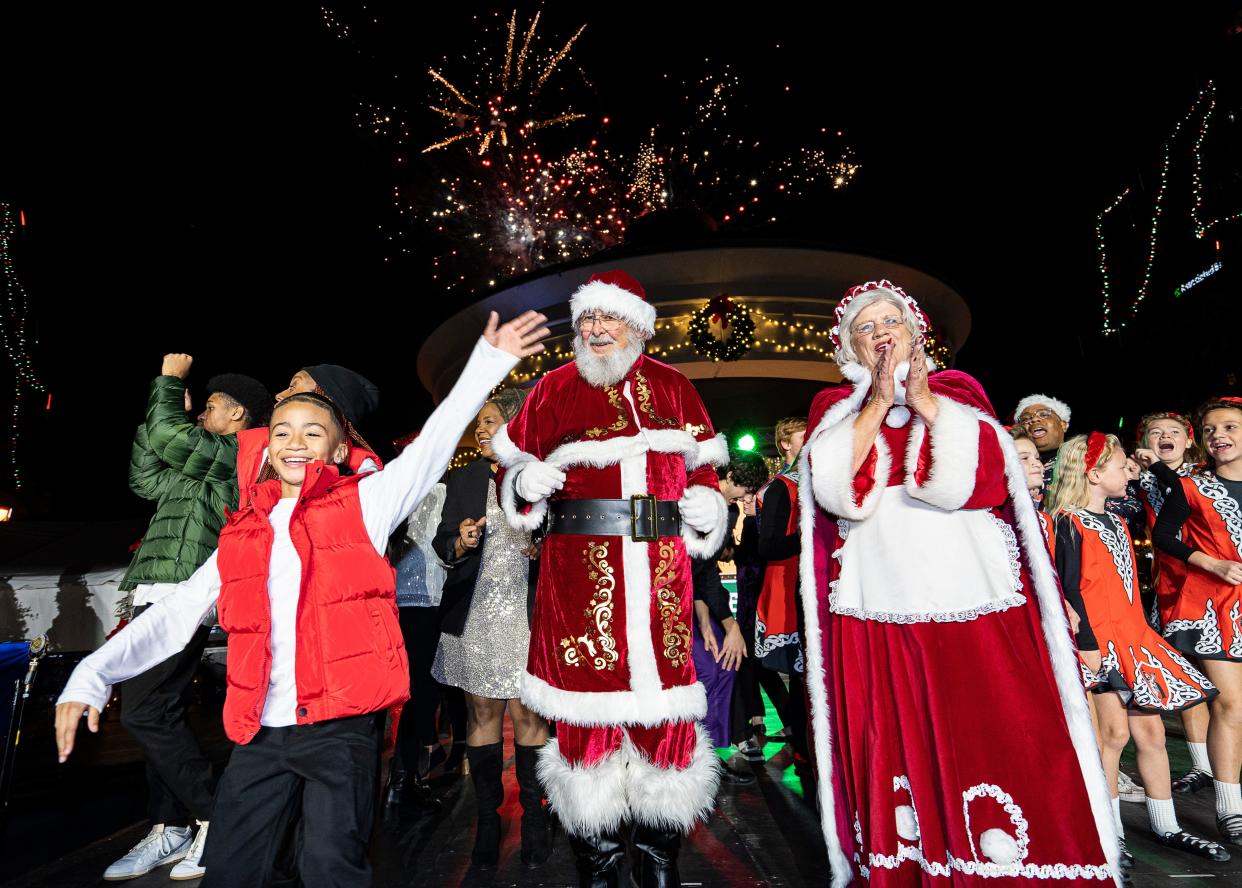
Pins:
x: 610, y: 640
x: 951, y: 734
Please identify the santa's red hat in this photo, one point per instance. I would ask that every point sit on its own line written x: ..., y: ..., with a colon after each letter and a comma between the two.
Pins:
x: 618, y: 294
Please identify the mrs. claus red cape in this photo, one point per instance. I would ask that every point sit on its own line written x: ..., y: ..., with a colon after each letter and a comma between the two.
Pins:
x: 952, y: 743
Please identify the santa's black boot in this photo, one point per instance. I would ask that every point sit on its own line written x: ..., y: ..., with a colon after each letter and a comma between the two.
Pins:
x: 535, y: 847
x: 599, y: 859
x: 485, y: 765
x: 657, y: 863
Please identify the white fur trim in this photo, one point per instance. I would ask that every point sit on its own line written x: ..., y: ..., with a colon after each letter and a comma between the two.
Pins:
x: 816, y: 679
x: 636, y: 564
x: 705, y: 545
x: 954, y: 457
x: 712, y: 452
x: 593, y: 295
x: 1059, y: 407
x: 588, y: 799
x: 833, y: 481
x: 596, y: 708
x: 1056, y: 636
x: 673, y: 797
x: 514, y: 460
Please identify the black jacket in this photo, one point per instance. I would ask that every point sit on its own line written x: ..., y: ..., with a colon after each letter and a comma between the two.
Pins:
x: 466, y: 497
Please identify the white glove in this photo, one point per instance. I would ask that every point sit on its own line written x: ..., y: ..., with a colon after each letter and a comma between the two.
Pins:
x: 538, y: 480
x: 700, y: 509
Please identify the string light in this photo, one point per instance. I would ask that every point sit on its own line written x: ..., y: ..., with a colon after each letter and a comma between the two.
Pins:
x: 1203, y: 106
x: 14, y: 337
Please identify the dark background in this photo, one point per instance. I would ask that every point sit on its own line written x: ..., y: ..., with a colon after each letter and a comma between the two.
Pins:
x: 194, y: 179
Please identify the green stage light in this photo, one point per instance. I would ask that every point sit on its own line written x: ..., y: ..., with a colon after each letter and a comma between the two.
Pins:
x: 746, y: 442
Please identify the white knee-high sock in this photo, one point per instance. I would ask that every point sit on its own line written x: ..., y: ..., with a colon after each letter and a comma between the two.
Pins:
x: 1163, y: 817
x: 1228, y: 797
x: 1199, y: 757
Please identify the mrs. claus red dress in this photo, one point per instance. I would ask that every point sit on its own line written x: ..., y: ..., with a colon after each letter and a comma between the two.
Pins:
x: 952, y: 738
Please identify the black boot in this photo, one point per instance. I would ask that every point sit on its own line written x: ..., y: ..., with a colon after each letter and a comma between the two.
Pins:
x: 535, y: 848
x: 452, y: 764
x: 657, y: 847
x: 427, y: 761
x: 599, y: 859
x: 396, y: 782
x: 485, y: 764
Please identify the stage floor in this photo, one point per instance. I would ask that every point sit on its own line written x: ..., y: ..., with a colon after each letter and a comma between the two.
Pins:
x: 766, y: 834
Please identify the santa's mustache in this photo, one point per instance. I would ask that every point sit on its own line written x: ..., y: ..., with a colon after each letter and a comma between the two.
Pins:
x: 601, y: 339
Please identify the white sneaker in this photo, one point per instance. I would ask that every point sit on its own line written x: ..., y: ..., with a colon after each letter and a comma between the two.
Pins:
x: 190, y: 867
x: 1128, y: 790
x: 162, y: 845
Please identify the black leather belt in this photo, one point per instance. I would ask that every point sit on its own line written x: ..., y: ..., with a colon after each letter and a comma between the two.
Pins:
x: 642, y: 518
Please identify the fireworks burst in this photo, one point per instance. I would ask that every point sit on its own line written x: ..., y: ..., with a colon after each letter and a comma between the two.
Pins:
x: 507, y: 98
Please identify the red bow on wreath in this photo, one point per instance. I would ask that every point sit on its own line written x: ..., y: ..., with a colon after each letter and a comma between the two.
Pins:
x: 720, y: 306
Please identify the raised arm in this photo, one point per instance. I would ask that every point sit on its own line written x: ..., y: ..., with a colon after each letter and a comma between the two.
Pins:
x: 173, y: 437
x: 148, y: 476
x: 390, y: 495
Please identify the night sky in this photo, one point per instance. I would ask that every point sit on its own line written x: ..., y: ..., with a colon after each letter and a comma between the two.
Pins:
x: 194, y: 179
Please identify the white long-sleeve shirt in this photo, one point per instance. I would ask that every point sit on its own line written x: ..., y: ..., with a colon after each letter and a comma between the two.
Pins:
x: 386, y: 497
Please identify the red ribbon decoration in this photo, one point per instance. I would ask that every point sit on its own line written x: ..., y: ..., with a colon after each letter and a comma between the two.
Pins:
x: 1096, y: 443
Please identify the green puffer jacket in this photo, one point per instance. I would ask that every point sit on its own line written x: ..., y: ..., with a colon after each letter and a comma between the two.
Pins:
x: 192, y: 475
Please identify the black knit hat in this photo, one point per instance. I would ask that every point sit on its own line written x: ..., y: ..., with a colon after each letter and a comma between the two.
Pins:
x: 248, y: 392
x: 356, y: 395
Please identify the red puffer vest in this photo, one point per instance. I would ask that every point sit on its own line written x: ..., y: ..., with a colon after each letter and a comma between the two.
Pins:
x: 350, y: 656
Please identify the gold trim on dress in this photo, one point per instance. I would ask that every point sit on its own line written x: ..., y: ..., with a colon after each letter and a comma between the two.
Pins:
x: 644, y: 402
x: 622, y: 422
x: 596, y: 645
x: 677, y: 637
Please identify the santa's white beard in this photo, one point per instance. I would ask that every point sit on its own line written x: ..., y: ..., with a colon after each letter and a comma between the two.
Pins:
x: 609, y: 369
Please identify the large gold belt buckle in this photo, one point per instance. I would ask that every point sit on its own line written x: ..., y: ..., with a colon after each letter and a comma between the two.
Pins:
x: 635, y: 534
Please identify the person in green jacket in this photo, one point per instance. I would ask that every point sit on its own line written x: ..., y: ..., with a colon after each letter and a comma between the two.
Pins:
x: 190, y: 471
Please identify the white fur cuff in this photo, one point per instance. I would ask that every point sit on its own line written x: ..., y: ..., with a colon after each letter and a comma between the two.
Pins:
x: 699, y: 543
x: 588, y: 799
x: 954, y: 457
x: 712, y: 452
x: 832, y: 481
x: 669, y: 797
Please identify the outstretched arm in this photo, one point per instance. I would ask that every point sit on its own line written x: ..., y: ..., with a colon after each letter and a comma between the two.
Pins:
x: 389, y: 496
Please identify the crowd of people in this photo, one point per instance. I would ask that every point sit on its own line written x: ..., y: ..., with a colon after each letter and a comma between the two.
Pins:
x: 912, y: 566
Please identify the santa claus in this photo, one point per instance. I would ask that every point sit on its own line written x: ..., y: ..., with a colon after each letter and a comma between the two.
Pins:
x: 613, y: 457
x: 951, y: 732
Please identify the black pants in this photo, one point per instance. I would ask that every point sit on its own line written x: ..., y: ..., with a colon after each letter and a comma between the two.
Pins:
x: 747, y: 704
x: 330, y: 767
x: 420, y: 628
x: 154, y: 711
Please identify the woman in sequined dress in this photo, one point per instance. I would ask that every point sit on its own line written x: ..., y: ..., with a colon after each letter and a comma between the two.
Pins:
x: 485, y: 633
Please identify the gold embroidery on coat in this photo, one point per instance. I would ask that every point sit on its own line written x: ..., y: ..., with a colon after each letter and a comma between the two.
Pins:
x: 677, y: 638
x: 622, y: 421
x: 644, y: 402
x: 596, y: 645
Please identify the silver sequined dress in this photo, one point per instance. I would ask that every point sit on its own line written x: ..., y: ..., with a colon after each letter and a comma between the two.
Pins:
x: 488, y: 658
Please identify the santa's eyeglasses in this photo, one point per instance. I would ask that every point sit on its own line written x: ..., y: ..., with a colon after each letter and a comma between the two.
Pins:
x: 610, y: 323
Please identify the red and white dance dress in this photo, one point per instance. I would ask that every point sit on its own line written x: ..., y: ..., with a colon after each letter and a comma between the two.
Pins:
x: 1090, y: 679
x: 1095, y: 561
x: 1167, y: 572
x: 952, y: 737
x: 1202, y: 514
x: 778, y: 643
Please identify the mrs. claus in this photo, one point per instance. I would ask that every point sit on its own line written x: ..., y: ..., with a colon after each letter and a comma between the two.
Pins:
x: 951, y: 733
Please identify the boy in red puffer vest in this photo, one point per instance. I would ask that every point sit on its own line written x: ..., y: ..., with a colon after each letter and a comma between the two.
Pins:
x: 315, y: 650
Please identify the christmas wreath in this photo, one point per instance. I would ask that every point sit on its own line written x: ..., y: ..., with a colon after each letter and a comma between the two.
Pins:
x: 722, y: 329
